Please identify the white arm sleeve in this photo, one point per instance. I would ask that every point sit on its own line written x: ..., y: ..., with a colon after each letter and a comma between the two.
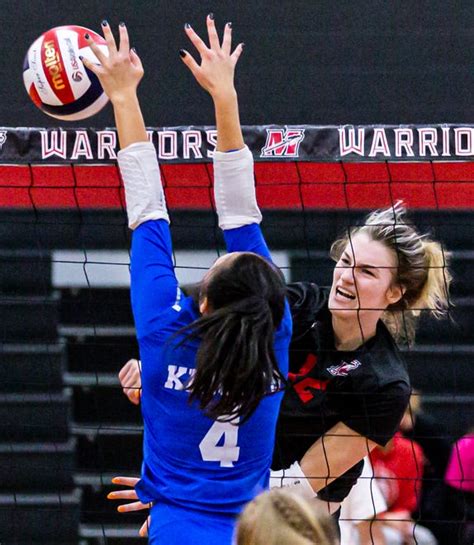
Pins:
x: 294, y: 479
x: 142, y: 180
x: 234, y: 189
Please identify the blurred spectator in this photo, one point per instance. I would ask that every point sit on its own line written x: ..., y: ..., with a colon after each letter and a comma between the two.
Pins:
x: 460, y: 471
x: 398, y: 468
x: 435, y: 441
x: 460, y: 479
x: 280, y: 517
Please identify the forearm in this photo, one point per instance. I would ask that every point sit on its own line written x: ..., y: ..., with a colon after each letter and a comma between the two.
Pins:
x: 129, y: 120
x: 334, y: 454
x: 229, y: 132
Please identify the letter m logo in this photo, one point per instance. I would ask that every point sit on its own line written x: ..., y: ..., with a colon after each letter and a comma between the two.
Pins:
x: 282, y: 143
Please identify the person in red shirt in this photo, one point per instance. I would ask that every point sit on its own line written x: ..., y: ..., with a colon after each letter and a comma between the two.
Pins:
x: 398, y: 468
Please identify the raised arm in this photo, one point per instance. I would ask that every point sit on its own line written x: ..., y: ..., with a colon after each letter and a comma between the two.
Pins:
x: 154, y: 287
x: 234, y: 186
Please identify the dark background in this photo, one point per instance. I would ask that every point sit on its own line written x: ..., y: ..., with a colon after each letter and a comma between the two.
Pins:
x: 321, y: 62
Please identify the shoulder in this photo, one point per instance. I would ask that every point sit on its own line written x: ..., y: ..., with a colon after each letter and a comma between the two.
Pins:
x: 386, y: 364
x: 171, y: 320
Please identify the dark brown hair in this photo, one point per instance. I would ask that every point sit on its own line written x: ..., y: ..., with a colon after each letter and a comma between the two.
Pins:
x: 235, y: 364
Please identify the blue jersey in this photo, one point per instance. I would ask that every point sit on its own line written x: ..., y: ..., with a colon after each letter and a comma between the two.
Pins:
x: 189, y: 460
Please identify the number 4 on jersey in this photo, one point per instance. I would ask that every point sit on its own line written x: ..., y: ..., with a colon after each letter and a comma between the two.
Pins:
x: 225, y: 433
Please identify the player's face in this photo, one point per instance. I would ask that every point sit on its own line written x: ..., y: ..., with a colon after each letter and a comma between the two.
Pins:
x: 364, y: 277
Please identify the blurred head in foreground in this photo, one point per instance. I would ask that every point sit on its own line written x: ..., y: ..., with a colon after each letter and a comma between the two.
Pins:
x: 280, y: 517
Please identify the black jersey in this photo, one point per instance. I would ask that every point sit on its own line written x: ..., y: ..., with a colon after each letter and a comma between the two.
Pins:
x: 368, y: 389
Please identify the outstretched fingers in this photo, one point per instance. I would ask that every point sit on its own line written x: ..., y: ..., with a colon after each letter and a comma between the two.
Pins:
x: 212, y: 33
x: 144, y: 529
x: 124, y: 46
x: 134, y: 506
x: 135, y: 59
x: 94, y: 68
x: 189, y: 61
x: 122, y: 495
x: 101, y: 57
x: 125, y: 481
x: 237, y: 52
x: 109, y: 38
x: 196, y: 40
x: 227, y: 39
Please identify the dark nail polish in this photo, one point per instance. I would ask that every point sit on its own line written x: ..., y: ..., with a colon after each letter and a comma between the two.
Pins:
x: 182, y: 52
x: 229, y: 24
x: 242, y: 45
x: 86, y: 36
x: 211, y: 16
x: 187, y: 25
x: 134, y: 49
x: 105, y: 23
x: 81, y: 57
x: 122, y: 24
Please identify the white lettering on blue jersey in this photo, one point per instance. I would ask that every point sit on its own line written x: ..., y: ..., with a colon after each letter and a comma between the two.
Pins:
x: 176, y: 305
x: 174, y: 382
x: 226, y: 453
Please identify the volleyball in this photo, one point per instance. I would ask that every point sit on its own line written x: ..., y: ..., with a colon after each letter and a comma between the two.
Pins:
x: 55, y: 78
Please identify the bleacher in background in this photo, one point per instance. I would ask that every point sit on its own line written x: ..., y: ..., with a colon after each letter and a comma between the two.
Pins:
x: 65, y: 426
x: 39, y: 502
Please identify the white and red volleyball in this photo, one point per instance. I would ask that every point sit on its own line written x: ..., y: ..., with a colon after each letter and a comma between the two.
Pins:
x: 55, y: 78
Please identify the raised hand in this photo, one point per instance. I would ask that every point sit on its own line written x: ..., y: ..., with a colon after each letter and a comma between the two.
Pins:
x: 130, y: 494
x: 131, y: 380
x: 121, y: 70
x: 215, y: 74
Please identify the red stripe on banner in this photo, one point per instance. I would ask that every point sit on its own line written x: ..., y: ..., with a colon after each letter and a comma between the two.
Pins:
x: 15, y: 197
x: 452, y: 195
x: 323, y: 196
x: 324, y: 173
x: 415, y: 195
x: 53, y: 66
x: 52, y: 176
x: 195, y: 198
x: 445, y: 172
x: 276, y: 173
x: 279, y: 196
x: 104, y: 176
x: 409, y: 172
x: 366, y: 172
x: 323, y: 185
x: 200, y: 174
x: 17, y: 175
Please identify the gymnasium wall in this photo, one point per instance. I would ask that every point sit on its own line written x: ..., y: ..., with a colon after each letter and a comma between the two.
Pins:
x: 317, y: 61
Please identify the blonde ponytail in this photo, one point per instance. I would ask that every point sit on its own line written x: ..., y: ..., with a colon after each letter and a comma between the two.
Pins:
x: 434, y: 295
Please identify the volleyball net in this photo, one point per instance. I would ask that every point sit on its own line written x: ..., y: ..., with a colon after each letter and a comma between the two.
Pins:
x: 66, y: 320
